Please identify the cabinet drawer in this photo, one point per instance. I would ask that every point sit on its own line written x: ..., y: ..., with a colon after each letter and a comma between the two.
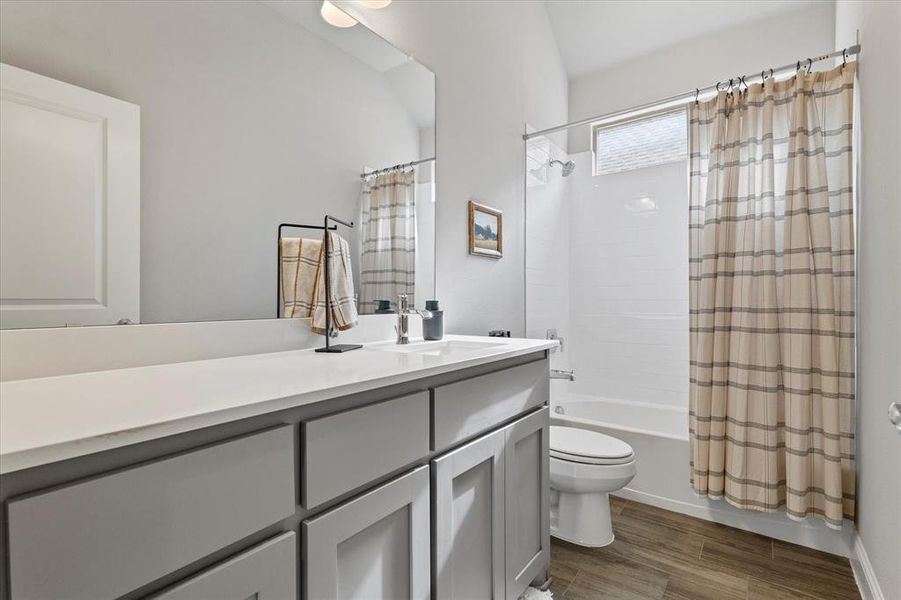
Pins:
x: 104, y: 537
x: 347, y: 450
x: 267, y: 571
x: 468, y: 407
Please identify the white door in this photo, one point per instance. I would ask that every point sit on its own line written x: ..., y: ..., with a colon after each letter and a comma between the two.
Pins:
x: 69, y: 204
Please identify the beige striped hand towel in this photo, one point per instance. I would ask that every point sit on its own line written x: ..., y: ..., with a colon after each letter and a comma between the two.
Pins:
x: 303, y: 282
x: 300, y: 272
x: 342, y: 306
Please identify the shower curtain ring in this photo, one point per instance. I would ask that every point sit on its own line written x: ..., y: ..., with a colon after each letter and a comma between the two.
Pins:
x: 697, y: 94
x: 844, y: 57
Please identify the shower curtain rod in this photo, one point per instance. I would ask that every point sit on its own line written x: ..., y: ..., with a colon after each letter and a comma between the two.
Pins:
x: 691, y: 96
x: 395, y: 167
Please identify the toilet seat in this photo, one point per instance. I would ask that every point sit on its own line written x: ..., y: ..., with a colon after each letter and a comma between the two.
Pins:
x: 588, y: 447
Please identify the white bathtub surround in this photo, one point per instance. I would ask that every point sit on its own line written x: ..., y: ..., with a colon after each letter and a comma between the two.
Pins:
x: 54, y: 418
x: 773, y: 294
x: 547, y: 249
x: 629, y: 283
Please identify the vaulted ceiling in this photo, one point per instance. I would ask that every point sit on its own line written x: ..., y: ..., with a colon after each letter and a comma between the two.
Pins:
x: 595, y: 34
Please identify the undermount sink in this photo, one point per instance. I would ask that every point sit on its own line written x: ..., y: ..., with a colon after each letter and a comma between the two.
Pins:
x: 439, y: 348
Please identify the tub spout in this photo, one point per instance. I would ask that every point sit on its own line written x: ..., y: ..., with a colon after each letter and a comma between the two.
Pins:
x: 562, y: 374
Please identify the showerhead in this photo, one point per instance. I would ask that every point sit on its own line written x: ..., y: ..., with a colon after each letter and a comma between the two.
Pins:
x: 566, y: 168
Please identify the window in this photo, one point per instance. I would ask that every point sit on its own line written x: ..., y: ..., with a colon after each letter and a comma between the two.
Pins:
x: 644, y: 142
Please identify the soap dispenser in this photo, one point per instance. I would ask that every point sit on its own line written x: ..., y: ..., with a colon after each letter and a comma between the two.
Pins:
x: 433, y: 328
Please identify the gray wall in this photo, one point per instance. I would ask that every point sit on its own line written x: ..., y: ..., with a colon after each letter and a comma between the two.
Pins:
x: 878, y: 446
x: 247, y: 120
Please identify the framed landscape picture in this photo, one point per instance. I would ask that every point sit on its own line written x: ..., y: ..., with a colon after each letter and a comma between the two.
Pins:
x: 486, y: 231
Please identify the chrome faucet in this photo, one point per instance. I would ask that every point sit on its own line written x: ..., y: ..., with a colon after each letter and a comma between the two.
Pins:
x: 403, y: 318
x: 562, y: 374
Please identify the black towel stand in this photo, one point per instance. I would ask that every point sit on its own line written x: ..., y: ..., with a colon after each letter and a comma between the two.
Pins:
x: 325, y: 228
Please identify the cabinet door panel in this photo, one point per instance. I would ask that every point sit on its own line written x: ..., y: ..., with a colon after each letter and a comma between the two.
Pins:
x: 527, y: 481
x: 468, y: 551
x: 374, y: 546
x: 265, y: 572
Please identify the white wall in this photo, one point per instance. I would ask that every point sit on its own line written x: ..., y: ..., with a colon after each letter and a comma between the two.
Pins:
x: 248, y: 120
x: 498, y: 67
x: 879, y: 277
x: 699, y: 63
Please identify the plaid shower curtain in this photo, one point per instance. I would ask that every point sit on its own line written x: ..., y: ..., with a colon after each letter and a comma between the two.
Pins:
x: 772, y: 296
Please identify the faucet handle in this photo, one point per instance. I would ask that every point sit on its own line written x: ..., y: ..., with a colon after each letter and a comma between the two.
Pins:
x: 402, y: 302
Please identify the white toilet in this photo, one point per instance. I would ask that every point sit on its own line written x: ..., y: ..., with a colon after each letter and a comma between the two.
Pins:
x: 585, y: 467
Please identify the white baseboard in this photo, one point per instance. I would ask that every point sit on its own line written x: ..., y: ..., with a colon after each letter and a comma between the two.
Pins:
x: 813, y: 535
x: 864, y: 574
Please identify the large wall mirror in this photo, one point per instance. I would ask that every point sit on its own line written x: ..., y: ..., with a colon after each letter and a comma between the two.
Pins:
x: 150, y: 151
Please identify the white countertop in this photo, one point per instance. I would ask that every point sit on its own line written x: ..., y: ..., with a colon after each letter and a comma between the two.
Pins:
x: 49, y: 419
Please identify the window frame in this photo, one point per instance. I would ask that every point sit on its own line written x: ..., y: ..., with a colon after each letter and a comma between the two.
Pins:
x: 632, y: 118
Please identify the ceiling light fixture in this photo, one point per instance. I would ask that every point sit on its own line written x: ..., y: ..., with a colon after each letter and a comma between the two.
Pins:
x: 333, y: 15
x: 375, y: 3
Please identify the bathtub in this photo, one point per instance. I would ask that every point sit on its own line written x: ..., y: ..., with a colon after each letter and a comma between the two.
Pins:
x: 637, y: 418
x: 658, y: 435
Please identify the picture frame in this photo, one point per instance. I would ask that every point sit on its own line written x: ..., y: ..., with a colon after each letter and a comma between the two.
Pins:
x: 486, y: 231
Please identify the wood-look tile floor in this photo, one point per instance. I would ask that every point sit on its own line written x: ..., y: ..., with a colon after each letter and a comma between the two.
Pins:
x: 660, y: 554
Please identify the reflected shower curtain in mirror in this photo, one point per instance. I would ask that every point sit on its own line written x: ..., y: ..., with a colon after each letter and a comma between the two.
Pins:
x: 772, y: 279
x: 388, y: 248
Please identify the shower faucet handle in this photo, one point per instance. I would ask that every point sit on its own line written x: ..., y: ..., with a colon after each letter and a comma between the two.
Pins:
x: 551, y: 334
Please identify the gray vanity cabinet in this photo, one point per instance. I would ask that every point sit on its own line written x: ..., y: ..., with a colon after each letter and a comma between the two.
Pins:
x: 435, y: 488
x: 373, y: 546
x: 265, y: 572
x: 526, y: 507
x: 106, y: 536
x: 468, y: 549
x: 492, y: 536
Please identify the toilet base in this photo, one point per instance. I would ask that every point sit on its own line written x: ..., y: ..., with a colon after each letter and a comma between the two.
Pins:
x: 582, y: 519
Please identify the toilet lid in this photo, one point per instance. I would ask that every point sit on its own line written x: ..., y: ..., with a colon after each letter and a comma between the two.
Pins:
x: 582, y: 444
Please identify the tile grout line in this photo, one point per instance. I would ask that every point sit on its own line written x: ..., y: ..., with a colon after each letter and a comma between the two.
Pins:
x: 569, y: 585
